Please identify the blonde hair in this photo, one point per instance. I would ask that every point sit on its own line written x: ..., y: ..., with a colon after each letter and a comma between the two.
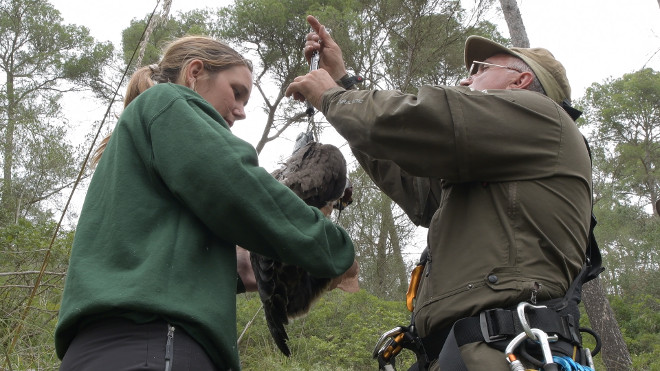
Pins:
x: 216, y: 56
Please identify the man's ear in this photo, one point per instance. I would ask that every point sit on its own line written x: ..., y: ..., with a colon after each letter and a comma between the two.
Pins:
x: 523, y: 80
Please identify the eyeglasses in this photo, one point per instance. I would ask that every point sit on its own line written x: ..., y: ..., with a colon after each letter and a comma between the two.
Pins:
x: 479, y: 67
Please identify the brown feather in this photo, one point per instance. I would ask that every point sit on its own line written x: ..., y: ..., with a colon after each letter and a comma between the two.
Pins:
x: 317, y: 174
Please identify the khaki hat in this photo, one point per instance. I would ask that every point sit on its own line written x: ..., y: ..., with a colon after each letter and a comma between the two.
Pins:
x: 547, y: 69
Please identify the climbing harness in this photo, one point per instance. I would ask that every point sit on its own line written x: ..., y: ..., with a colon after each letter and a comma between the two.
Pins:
x: 508, y: 330
x: 557, y: 318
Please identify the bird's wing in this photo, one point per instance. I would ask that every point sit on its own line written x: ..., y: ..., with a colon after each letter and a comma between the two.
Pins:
x: 317, y: 174
x: 273, y: 294
x: 303, y: 290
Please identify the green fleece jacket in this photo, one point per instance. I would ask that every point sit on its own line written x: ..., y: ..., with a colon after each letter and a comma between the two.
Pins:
x: 501, y: 178
x: 173, y: 194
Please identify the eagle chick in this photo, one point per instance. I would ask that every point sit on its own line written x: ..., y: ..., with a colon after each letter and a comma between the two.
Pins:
x: 317, y: 174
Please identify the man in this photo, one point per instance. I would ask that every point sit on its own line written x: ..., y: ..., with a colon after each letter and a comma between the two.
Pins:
x: 495, y: 168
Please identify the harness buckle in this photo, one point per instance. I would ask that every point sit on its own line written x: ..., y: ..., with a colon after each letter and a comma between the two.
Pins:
x: 487, y: 328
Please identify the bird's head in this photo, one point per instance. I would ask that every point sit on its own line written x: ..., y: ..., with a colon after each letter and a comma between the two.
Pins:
x: 347, y: 198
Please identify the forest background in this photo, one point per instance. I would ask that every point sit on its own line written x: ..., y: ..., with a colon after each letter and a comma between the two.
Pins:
x: 58, y: 92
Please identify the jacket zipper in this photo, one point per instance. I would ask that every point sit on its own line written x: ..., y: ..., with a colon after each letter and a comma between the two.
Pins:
x: 169, y: 347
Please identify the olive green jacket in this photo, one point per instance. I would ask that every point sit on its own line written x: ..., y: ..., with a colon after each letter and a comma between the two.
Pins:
x: 173, y: 194
x: 502, y: 179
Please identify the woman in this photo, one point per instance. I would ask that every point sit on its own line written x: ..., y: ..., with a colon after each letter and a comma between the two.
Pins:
x: 152, y: 279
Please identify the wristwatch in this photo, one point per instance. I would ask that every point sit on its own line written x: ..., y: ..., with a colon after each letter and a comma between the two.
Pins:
x: 348, y: 82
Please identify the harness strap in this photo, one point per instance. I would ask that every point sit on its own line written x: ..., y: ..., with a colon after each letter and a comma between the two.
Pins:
x: 450, y: 356
x: 433, y: 344
x: 468, y: 330
x: 497, y: 326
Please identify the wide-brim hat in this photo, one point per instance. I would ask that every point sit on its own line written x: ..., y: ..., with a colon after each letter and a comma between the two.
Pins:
x: 548, y: 70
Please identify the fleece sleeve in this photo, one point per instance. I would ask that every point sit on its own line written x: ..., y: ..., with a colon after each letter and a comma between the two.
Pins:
x: 216, y: 175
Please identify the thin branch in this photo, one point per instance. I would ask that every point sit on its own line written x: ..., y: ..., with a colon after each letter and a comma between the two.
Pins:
x: 247, y: 325
x: 25, y: 273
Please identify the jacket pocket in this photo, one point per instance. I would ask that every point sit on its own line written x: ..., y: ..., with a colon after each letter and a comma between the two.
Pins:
x: 509, y: 282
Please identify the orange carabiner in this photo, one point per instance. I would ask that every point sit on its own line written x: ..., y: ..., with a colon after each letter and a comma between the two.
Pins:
x: 394, y: 348
x: 415, y: 277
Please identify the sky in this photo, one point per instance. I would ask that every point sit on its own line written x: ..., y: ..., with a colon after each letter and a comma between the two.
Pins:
x: 594, y: 39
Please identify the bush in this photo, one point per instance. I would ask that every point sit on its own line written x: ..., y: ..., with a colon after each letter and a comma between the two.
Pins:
x: 339, y: 333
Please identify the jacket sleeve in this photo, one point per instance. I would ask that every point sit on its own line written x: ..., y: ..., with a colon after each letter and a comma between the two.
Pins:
x: 389, y: 125
x: 455, y: 133
x: 419, y: 197
x: 216, y: 175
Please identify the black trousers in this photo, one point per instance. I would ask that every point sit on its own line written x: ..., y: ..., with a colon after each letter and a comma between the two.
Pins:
x: 116, y: 344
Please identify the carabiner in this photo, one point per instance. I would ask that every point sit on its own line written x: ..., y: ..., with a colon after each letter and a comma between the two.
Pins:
x: 523, y: 319
x: 544, y: 340
x: 382, y: 345
x: 514, y: 362
x: 540, y: 337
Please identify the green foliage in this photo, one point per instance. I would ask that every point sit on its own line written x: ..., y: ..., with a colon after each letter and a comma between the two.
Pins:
x: 624, y: 118
x: 23, y: 249
x: 386, y: 41
x: 411, y: 60
x: 273, y: 33
x: 274, y: 30
x: 339, y: 333
x: 40, y: 59
x: 628, y: 237
x: 195, y: 22
x: 639, y: 319
x: 380, y: 230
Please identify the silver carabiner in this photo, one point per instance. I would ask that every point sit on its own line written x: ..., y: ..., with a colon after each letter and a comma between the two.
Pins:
x: 589, y: 358
x: 514, y: 362
x: 523, y: 319
x: 381, y: 345
x: 544, y: 340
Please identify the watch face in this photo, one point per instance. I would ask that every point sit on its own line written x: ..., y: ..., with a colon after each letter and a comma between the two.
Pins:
x: 348, y: 81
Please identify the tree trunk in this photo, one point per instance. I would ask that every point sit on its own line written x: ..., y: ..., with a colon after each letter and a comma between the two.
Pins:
x: 515, y: 23
x: 381, y: 256
x: 614, y: 352
x: 398, y: 265
x: 7, y: 199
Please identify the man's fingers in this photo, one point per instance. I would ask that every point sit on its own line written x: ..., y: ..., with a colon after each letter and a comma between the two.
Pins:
x: 324, y: 34
x: 292, y: 92
x: 314, y: 23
